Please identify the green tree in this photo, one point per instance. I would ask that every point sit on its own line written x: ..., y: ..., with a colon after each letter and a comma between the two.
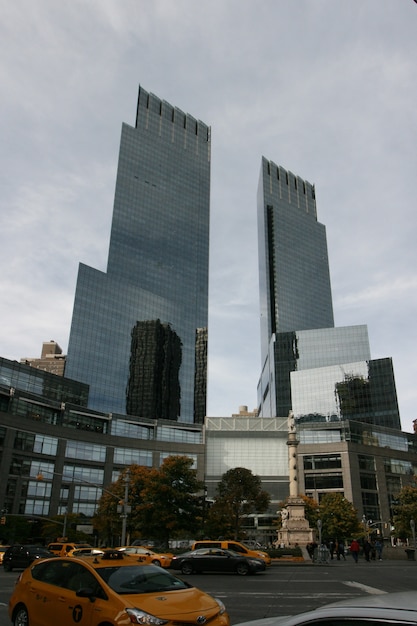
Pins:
x: 338, y: 516
x: 240, y: 493
x: 172, y: 505
x: 218, y: 520
x: 107, y: 520
x: 405, y: 510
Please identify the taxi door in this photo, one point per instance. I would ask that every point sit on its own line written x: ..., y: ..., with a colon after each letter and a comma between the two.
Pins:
x: 54, y: 599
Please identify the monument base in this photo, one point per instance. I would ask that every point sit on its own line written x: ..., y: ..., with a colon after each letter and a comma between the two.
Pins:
x: 295, y: 528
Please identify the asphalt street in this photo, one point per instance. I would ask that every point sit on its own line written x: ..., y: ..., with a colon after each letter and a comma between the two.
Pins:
x: 285, y: 589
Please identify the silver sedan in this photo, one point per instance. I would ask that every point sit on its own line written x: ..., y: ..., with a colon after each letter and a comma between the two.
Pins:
x: 394, y: 609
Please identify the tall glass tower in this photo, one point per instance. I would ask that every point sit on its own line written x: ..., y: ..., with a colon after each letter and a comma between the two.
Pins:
x: 309, y: 367
x: 157, y: 273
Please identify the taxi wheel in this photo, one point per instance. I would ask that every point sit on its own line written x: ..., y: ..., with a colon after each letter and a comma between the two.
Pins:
x: 21, y: 617
x: 156, y: 562
x: 242, y: 569
x: 186, y: 568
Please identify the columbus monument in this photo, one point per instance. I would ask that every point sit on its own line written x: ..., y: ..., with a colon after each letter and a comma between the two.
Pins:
x: 295, y: 529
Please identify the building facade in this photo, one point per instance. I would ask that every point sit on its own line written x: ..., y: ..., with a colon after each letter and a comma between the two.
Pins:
x: 308, y: 366
x: 157, y: 265
x: 367, y: 464
x: 47, y: 429
x: 51, y: 360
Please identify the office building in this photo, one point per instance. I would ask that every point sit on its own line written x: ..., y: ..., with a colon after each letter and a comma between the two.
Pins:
x: 319, y: 372
x: 367, y: 464
x: 51, y: 360
x: 157, y: 272
x: 46, y: 428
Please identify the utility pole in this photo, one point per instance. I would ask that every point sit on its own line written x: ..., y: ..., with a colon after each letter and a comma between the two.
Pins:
x: 125, y: 508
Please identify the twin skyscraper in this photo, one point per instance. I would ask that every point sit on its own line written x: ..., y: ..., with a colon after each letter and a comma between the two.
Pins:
x: 139, y: 331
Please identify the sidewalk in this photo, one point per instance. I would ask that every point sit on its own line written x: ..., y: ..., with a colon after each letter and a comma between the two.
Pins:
x: 389, y: 553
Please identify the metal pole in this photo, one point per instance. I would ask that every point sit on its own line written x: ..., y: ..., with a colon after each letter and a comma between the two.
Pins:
x: 319, y: 526
x: 125, y: 507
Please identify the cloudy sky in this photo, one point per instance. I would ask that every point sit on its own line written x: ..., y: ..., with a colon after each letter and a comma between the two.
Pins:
x: 325, y: 88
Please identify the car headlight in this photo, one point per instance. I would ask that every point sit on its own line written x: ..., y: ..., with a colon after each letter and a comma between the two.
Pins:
x: 253, y: 561
x: 221, y: 605
x: 141, y: 617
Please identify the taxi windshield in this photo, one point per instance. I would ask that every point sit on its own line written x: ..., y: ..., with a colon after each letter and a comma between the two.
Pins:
x: 139, y: 579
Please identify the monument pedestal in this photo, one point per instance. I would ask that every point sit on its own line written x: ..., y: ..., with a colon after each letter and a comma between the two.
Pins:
x: 295, y: 529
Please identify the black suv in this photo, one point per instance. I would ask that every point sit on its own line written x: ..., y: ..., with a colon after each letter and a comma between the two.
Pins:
x: 21, y: 556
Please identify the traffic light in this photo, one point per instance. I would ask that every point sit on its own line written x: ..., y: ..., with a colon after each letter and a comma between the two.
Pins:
x: 3, y: 520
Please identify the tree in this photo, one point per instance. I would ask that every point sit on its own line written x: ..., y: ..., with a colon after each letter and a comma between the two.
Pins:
x: 172, y: 502
x: 164, y: 502
x: 240, y: 493
x: 338, y: 516
x: 107, y: 520
x: 405, y: 510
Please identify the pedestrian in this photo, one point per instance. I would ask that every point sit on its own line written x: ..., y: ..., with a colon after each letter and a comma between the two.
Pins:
x: 378, y: 547
x: 341, y: 550
x: 332, y: 547
x: 367, y: 549
x: 354, y: 550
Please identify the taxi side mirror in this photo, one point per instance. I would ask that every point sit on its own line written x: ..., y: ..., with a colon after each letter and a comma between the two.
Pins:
x: 86, y: 592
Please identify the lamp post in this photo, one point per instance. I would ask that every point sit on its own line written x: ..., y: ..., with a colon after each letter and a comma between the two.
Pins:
x: 365, y: 526
x: 124, y: 508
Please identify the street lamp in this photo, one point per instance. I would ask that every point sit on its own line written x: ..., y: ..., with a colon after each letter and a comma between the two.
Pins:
x: 124, y: 508
x: 365, y: 526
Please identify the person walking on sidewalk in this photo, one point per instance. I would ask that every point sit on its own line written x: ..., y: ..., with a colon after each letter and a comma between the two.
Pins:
x: 341, y: 550
x: 354, y: 550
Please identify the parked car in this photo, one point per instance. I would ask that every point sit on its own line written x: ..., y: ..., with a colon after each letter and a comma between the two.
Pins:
x: 63, y: 548
x: 216, y: 560
x: 84, y: 552
x: 109, y: 589
x: 236, y: 546
x: 20, y: 556
x: 163, y: 560
x: 398, y: 608
x: 2, y: 551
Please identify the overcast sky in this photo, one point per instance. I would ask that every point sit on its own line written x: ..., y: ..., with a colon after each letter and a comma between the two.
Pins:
x: 325, y: 88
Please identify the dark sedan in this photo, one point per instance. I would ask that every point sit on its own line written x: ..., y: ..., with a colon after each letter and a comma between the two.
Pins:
x: 21, y: 556
x: 216, y: 560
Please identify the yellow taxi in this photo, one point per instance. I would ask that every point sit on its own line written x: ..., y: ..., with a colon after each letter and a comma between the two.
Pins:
x: 112, y: 588
x: 157, y: 558
x: 2, y: 551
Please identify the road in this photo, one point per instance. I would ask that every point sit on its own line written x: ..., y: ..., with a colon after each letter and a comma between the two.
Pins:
x: 284, y: 589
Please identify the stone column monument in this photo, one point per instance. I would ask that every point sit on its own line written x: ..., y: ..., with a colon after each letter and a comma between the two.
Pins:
x: 295, y: 529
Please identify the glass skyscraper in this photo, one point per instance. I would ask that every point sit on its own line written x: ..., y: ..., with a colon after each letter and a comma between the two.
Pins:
x: 157, y: 273
x: 319, y: 372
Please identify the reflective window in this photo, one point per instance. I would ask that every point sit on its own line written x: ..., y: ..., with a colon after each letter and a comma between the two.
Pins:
x: 167, y: 433
x: 323, y: 461
x: 124, y: 428
x: 126, y: 456
x: 75, y: 473
x: 87, y: 451
x: 36, y: 443
x: 398, y: 466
